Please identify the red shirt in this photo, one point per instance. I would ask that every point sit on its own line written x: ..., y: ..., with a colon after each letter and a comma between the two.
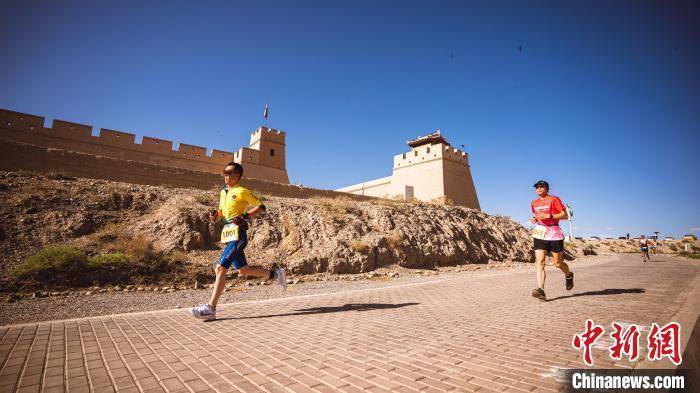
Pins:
x: 548, y: 205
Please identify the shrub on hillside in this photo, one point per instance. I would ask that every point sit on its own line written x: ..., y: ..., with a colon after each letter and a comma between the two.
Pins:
x: 53, y: 265
x: 589, y: 251
x: 127, y: 260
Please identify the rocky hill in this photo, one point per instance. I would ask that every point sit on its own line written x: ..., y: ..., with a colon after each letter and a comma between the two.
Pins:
x: 122, y: 232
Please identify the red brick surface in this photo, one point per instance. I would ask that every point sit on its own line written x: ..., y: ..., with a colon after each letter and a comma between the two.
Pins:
x: 468, y: 332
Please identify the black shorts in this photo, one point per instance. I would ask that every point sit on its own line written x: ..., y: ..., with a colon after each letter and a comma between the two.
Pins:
x: 549, y: 245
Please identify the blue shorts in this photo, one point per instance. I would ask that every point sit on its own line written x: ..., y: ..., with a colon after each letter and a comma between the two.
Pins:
x: 645, y: 249
x: 233, y: 253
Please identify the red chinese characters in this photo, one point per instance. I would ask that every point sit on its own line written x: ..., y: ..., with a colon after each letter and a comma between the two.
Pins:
x: 665, y: 342
x: 586, y: 339
x: 626, y: 342
x: 662, y: 341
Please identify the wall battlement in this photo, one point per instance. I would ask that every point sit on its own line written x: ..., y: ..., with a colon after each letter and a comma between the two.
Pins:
x: 432, y: 170
x: 78, y: 137
x: 431, y: 152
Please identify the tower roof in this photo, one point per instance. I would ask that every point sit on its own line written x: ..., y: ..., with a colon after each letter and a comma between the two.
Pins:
x: 430, y: 139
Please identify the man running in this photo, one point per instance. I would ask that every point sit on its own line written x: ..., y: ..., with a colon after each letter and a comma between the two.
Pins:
x: 654, y: 245
x: 548, y: 237
x: 644, y: 247
x: 233, y: 202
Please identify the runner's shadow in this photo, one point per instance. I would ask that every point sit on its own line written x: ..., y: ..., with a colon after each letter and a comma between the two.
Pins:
x: 324, y: 310
x: 609, y: 291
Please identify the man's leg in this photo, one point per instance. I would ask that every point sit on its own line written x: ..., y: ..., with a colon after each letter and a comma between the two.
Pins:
x: 558, y: 261
x: 540, y: 258
x: 208, y: 311
x: 219, y: 285
x: 241, y: 264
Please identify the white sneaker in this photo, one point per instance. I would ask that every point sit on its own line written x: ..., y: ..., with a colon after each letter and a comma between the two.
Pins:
x: 204, y: 311
x: 281, y: 278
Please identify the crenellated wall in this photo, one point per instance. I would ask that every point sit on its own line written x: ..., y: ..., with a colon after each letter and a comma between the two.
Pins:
x: 430, y: 172
x: 23, y: 156
x: 77, y: 137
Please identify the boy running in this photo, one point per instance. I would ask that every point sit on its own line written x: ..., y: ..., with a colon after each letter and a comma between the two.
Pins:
x: 547, y: 236
x: 233, y: 202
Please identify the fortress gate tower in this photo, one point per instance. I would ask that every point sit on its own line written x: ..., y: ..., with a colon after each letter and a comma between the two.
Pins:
x: 431, y: 171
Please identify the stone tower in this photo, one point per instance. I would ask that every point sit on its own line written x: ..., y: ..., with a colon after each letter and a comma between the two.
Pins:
x: 265, y: 156
x: 431, y: 171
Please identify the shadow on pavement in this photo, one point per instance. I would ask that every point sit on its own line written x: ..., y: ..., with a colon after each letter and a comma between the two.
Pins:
x: 609, y: 291
x: 324, y: 310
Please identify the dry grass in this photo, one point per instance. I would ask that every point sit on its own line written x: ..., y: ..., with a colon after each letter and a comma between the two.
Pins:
x: 360, y: 247
x: 590, y: 250
x: 108, y: 233
x: 395, y: 240
x: 334, y: 208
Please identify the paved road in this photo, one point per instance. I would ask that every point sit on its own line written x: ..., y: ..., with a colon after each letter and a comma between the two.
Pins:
x: 467, y: 332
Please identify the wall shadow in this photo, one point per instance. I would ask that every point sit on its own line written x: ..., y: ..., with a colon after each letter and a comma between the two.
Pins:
x: 609, y: 291
x: 325, y: 310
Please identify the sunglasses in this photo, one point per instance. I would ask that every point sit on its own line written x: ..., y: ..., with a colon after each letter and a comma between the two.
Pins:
x: 229, y: 173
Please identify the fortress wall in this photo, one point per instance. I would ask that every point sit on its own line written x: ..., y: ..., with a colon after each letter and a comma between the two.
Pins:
x: 459, y: 185
x: 264, y: 172
x: 74, y: 131
x: 430, y: 152
x: 425, y: 177
x: 377, y: 187
x: 25, y: 156
x: 156, y: 146
x: 77, y: 137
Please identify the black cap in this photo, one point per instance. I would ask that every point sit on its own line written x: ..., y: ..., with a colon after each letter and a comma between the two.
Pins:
x: 542, y: 183
x: 237, y: 168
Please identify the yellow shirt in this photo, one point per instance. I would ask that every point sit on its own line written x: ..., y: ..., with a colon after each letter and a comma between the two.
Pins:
x: 233, y: 201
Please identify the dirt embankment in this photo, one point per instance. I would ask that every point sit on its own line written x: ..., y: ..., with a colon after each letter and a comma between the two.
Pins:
x: 305, y: 235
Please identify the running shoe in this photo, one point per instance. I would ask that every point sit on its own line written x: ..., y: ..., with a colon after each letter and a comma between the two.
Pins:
x: 539, y: 293
x: 570, y: 281
x: 204, y: 311
x: 281, y: 278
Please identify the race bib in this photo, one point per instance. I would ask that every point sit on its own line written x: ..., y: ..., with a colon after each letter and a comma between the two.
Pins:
x: 539, y: 232
x: 229, y: 233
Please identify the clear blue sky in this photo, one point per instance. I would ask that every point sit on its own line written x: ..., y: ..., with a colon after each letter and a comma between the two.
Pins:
x: 603, y: 101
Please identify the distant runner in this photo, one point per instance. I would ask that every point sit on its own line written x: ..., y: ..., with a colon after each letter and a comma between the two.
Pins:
x: 547, y: 236
x: 644, y: 247
x: 233, y: 202
x: 654, y: 245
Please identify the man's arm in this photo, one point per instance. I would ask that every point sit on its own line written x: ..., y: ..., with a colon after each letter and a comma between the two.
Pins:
x: 256, y: 210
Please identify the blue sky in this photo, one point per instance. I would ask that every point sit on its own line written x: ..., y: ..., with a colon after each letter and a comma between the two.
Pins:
x: 602, y: 101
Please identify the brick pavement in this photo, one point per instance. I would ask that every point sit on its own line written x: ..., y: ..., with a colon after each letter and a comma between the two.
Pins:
x: 463, y: 333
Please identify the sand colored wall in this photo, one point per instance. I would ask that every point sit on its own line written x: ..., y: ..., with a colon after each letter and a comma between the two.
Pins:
x: 377, y: 188
x: 459, y: 185
x: 77, y: 137
x: 434, y: 171
x: 23, y: 156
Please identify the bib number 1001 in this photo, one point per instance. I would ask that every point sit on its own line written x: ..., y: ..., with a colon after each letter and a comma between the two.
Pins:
x: 229, y: 233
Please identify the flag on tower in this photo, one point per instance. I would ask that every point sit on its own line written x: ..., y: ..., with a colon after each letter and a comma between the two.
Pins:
x: 265, y: 112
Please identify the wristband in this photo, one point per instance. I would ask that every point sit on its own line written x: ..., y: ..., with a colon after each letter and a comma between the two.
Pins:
x: 245, y: 215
